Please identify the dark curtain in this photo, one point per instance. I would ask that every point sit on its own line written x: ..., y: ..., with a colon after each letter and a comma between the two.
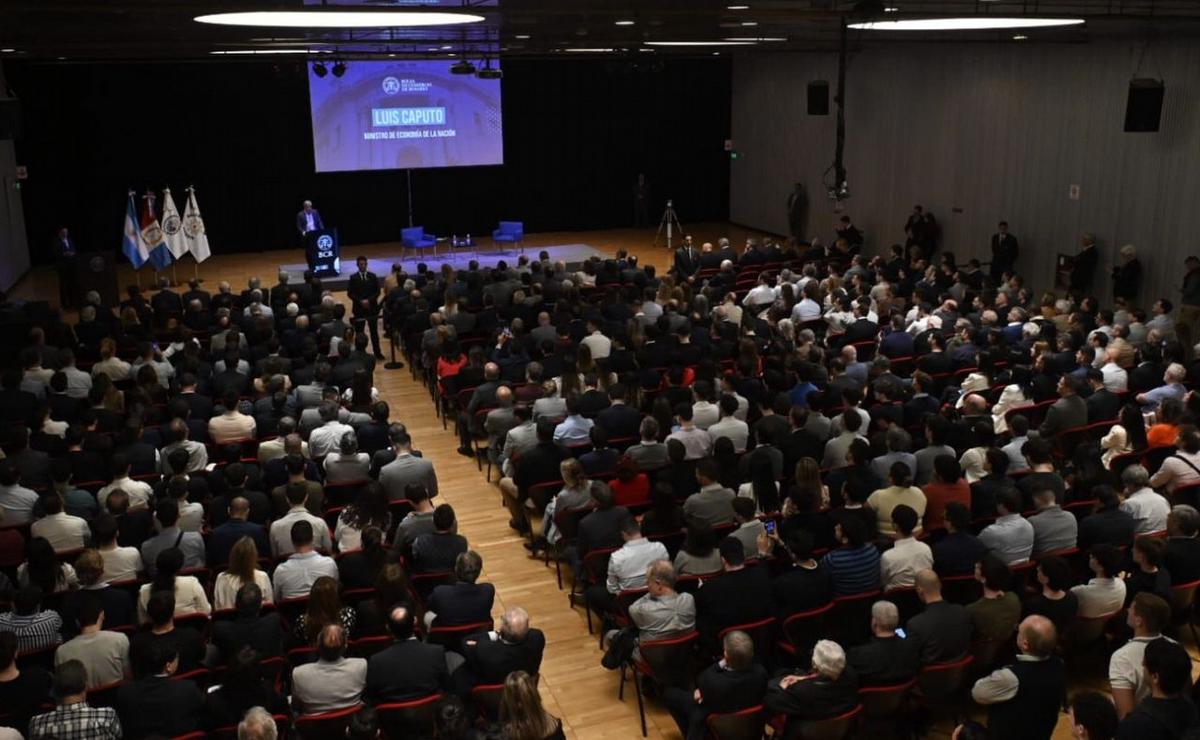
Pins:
x: 576, y: 133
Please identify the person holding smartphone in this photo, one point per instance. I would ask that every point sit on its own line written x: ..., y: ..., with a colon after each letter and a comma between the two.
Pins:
x: 889, y: 658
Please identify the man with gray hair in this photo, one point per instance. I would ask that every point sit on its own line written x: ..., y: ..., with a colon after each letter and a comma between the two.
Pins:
x: 829, y: 689
x: 1172, y: 387
x: 1024, y: 697
x: 1148, y: 508
x: 333, y: 681
x: 492, y: 655
x: 663, y: 612
x: 734, y: 683
x: 888, y: 658
x: 257, y: 724
x: 1183, y: 544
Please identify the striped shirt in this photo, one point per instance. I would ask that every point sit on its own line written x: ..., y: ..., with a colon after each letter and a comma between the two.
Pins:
x: 854, y: 571
x: 76, y: 722
x: 33, y: 631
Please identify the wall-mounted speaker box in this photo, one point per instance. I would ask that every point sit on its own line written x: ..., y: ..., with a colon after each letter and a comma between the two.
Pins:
x: 1143, y: 111
x: 818, y: 98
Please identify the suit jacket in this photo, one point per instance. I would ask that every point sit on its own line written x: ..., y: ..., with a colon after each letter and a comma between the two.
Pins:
x: 490, y: 661
x: 462, y: 603
x: 884, y: 661
x: 1004, y: 254
x: 725, y: 690
x: 409, y: 669
x: 733, y: 598
x: 157, y: 705
x: 302, y: 222
x: 263, y: 633
x: 687, y: 264
x: 862, y: 330
x: 1065, y: 413
x: 361, y: 289
x: 1103, y: 405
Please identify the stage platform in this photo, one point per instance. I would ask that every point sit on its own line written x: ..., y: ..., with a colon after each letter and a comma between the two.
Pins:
x: 572, y: 254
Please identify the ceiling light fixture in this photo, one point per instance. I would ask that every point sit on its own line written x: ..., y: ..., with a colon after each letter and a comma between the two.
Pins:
x: 755, y: 39
x: 624, y: 23
x: 749, y: 23
x: 585, y: 50
x: 521, y: 36
x: 699, y: 43
x: 319, y: 69
x: 1020, y: 37
x: 462, y: 68
x: 338, y: 19
x: 891, y: 9
x: 969, y: 23
x: 339, y: 68
x: 254, y: 52
x: 8, y: 51
x: 737, y: 7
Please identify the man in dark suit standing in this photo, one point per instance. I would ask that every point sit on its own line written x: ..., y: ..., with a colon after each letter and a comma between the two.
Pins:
x: 734, y: 683
x: 308, y: 219
x: 1085, y: 266
x: 409, y: 669
x: 1004, y: 252
x: 65, y: 253
x: 687, y: 259
x: 364, y: 291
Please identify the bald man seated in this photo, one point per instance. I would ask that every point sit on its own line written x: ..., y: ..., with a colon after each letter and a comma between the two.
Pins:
x: 333, y: 681
x: 1024, y: 697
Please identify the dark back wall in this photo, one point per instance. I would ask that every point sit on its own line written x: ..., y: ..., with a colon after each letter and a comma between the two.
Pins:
x: 576, y: 133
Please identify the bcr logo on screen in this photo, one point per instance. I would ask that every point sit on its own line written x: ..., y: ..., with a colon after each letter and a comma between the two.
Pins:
x: 391, y: 85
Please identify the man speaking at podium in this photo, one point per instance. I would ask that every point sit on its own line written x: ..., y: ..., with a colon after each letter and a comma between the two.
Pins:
x: 308, y: 219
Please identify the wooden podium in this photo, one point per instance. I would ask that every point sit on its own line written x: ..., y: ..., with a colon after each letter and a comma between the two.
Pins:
x: 1062, y: 272
x: 97, y: 271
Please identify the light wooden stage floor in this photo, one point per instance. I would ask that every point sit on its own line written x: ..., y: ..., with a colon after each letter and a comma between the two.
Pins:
x: 574, y: 685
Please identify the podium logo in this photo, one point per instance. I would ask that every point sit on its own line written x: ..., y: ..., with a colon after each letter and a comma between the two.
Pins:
x: 325, y: 242
x: 391, y: 85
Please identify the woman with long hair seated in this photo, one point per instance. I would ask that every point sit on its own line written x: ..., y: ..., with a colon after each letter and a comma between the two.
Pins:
x: 699, y: 554
x: 43, y: 569
x: 243, y: 569
x: 324, y: 607
x: 189, y: 594
x: 1127, y: 435
x: 522, y: 713
x: 359, y: 567
x: 370, y: 509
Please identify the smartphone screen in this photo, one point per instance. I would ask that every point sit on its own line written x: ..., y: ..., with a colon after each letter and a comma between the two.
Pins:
x: 769, y: 525
x: 900, y: 633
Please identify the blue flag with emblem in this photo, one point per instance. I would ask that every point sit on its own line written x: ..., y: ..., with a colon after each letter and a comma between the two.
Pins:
x: 131, y: 244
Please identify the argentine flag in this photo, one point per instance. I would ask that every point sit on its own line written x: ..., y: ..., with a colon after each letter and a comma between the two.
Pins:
x: 152, y: 238
x: 132, y: 245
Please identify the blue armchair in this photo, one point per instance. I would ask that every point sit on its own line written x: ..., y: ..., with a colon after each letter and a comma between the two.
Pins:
x: 511, y: 232
x: 416, y: 239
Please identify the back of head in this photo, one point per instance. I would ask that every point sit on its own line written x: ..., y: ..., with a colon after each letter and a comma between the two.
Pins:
x: 829, y: 659
x: 739, y: 650
x: 400, y: 622
x: 257, y: 724
x: 1168, y: 663
x: 443, y: 518
x: 1095, y: 713
x: 70, y: 679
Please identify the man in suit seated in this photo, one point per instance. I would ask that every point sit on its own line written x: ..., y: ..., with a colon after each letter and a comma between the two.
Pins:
x: 157, y: 703
x: 739, y: 595
x: 734, y: 683
x: 829, y: 689
x: 334, y: 681
x: 409, y: 668
x: 251, y: 627
x: 888, y: 658
x: 492, y: 655
x: 463, y: 602
x: 1103, y: 404
x: 1068, y: 411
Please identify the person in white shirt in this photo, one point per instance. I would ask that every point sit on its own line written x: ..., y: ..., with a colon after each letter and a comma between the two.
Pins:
x: 243, y: 569
x: 111, y: 365
x: 63, y: 531
x: 599, y: 345
x: 1115, y: 377
x: 1183, y: 467
x: 626, y: 567
x: 120, y: 563
x: 1148, y: 508
x: 1105, y: 593
x: 761, y: 294
x: 326, y: 438
x: 16, y: 501
x: 898, y: 567
x: 295, y: 576
x: 697, y: 442
x: 191, y: 514
x: 190, y: 597
x: 705, y: 413
x: 140, y: 493
x: 1148, y: 616
x: 807, y: 309
x: 729, y: 425
x: 281, y: 528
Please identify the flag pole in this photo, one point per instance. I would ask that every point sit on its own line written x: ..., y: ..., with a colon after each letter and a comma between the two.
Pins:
x: 195, y: 265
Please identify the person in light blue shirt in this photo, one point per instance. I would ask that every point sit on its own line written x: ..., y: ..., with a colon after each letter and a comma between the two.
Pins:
x: 1019, y: 426
x: 1172, y: 388
x: 1011, y: 536
x: 575, y: 429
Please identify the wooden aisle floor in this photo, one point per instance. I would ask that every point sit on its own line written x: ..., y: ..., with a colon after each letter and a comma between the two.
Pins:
x: 574, y: 685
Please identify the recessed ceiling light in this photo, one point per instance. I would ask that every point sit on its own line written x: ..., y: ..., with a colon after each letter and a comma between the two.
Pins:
x: 434, y: 48
x: 7, y: 51
x: 338, y: 19
x: 521, y: 36
x: 585, y: 50
x: 737, y: 7
x: 749, y: 23
x: 716, y: 53
x: 447, y: 47
x: 890, y: 9
x: 970, y: 23
x: 755, y: 39
x: 255, y: 52
x: 699, y: 43
x: 1020, y: 37
x: 391, y: 56
x: 624, y: 23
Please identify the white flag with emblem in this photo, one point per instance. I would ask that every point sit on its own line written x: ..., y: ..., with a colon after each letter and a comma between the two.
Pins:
x: 172, y: 226
x: 193, y: 229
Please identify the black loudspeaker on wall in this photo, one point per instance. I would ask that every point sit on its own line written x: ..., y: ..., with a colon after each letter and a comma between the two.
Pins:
x: 1143, y: 111
x: 818, y: 98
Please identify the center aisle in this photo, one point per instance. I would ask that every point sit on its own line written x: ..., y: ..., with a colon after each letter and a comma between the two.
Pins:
x: 574, y: 685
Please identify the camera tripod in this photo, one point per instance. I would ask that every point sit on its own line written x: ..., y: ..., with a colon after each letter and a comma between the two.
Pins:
x: 670, y: 222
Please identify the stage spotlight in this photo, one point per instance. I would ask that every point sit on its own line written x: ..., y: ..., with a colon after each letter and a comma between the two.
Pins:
x: 462, y: 68
x: 339, y: 69
x: 319, y: 69
x: 487, y: 73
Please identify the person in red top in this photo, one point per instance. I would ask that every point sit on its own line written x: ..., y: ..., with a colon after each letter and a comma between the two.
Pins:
x: 631, y: 487
x: 947, y: 485
x: 450, y: 362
